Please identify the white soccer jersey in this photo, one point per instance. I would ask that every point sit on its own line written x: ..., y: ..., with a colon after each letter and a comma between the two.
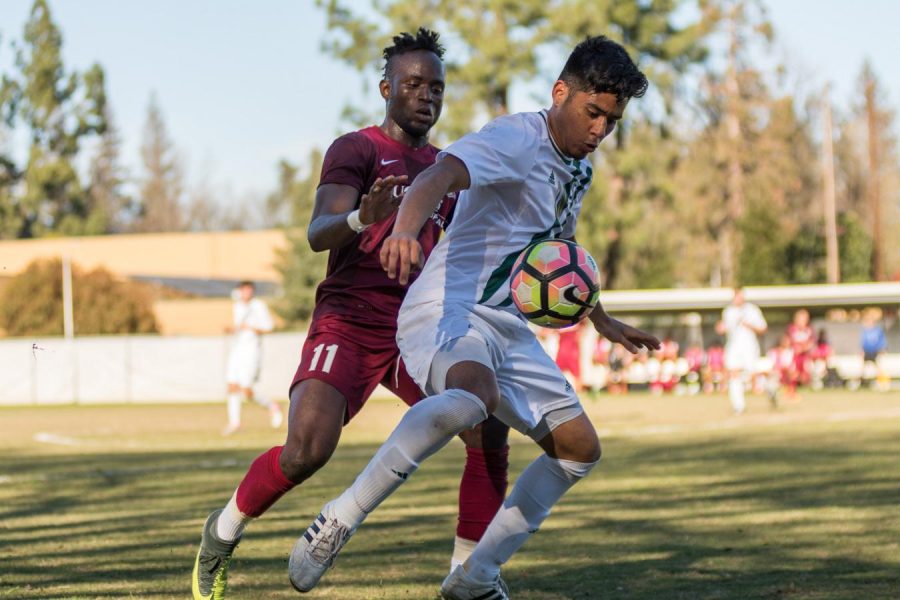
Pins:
x: 254, y: 314
x: 742, y: 345
x: 523, y: 189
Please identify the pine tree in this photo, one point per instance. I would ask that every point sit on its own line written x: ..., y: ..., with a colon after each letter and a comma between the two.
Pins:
x: 161, y: 185
x: 59, y: 110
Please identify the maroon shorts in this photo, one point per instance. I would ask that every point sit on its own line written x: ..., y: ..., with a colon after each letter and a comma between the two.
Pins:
x: 354, y: 358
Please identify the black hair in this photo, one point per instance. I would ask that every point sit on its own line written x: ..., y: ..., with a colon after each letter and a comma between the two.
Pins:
x: 246, y: 282
x: 425, y: 39
x: 599, y: 65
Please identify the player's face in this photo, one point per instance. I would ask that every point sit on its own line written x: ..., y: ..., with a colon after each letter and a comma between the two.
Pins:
x: 415, y: 91
x: 580, y: 120
x: 246, y: 293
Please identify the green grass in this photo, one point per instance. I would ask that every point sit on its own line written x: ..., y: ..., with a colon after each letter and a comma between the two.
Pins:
x: 689, y: 503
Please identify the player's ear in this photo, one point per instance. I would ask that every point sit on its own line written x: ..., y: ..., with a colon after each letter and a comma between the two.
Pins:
x: 384, y: 86
x: 560, y: 92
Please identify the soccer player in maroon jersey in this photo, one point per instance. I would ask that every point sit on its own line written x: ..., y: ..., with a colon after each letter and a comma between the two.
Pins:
x: 803, y: 340
x: 350, y: 347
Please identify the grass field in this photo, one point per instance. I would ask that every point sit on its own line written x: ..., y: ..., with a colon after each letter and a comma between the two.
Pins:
x: 689, y: 503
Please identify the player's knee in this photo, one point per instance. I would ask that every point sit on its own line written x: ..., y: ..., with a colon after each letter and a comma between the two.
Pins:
x: 301, y: 460
x: 491, y: 434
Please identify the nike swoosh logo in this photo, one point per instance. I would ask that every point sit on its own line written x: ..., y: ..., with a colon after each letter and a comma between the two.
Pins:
x: 388, y: 162
x: 569, y: 294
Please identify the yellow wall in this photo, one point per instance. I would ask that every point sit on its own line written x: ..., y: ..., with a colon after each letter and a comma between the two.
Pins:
x: 200, y: 316
x: 204, y: 255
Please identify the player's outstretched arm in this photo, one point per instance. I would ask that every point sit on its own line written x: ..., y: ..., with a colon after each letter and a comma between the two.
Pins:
x: 329, y: 228
x: 632, y: 338
x: 401, y: 252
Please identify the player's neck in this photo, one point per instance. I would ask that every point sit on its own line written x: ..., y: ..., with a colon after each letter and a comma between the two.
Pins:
x: 396, y: 133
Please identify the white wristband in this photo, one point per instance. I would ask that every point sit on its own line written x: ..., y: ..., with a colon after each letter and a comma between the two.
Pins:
x: 354, y: 222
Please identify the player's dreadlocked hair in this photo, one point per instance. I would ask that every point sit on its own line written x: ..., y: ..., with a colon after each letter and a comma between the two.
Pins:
x: 599, y: 65
x: 425, y: 39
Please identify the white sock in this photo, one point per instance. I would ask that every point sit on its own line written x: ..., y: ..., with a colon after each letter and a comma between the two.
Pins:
x: 262, y: 399
x: 234, y: 409
x: 231, y: 521
x: 736, y: 394
x: 538, y: 488
x: 462, y: 550
x: 423, y: 430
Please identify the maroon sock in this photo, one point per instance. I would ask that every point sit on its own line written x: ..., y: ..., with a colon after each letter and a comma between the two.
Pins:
x: 263, y: 484
x: 482, y: 490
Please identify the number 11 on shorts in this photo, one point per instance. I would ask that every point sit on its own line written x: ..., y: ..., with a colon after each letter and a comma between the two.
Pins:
x: 330, y: 351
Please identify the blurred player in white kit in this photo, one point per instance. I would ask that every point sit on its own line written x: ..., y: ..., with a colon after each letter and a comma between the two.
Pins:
x: 250, y: 320
x: 741, y: 323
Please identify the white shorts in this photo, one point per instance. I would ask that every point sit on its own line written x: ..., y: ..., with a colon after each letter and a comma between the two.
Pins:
x: 243, y: 366
x: 535, y: 396
x: 741, y: 359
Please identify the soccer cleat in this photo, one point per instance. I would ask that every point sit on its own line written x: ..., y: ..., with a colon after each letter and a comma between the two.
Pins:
x: 210, y: 576
x: 231, y: 429
x: 316, y: 550
x: 459, y: 586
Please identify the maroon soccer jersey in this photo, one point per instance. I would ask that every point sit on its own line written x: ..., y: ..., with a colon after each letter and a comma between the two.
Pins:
x: 355, y: 285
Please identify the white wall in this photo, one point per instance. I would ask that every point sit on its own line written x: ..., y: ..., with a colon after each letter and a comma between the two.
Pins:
x: 134, y: 368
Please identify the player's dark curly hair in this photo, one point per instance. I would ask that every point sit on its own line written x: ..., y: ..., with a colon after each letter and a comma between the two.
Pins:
x: 599, y: 65
x: 425, y: 39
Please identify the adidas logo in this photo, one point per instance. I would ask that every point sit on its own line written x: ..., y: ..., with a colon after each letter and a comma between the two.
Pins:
x: 403, y: 476
x: 552, y: 179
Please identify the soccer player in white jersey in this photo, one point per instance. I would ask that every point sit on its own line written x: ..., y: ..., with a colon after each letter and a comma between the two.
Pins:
x: 741, y: 323
x: 521, y: 178
x: 250, y: 319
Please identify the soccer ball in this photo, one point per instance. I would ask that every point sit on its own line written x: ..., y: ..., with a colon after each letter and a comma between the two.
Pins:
x: 555, y: 283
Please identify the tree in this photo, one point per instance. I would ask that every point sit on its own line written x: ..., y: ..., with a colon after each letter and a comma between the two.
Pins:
x: 59, y: 110
x: 161, y: 186
x: 31, y: 303
x: 301, y: 269
x: 112, y: 207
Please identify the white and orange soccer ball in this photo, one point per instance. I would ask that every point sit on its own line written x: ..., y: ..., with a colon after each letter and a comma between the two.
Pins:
x: 555, y: 283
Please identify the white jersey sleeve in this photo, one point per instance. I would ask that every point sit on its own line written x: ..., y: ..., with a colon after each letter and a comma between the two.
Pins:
x: 494, y: 155
x: 259, y: 317
x: 755, y: 317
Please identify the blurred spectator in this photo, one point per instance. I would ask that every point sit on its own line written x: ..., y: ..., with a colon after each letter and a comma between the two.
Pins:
x: 619, y: 362
x: 783, y: 370
x: 568, y: 353
x: 694, y: 357
x: 823, y: 374
x: 664, y: 375
x: 638, y: 371
x: 873, y: 343
x: 741, y: 322
x: 803, y: 340
x: 714, y: 377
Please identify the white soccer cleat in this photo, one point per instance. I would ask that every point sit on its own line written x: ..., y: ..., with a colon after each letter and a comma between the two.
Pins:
x: 316, y: 550
x: 459, y: 586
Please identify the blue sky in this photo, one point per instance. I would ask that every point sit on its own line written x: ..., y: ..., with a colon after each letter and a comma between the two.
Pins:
x: 243, y: 84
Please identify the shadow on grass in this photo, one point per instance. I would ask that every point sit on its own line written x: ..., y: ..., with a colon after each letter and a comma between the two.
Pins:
x: 809, y: 516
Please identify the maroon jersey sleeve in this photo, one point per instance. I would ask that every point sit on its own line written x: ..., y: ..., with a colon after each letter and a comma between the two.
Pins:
x: 349, y: 161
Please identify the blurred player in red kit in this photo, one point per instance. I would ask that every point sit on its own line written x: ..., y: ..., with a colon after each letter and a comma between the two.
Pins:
x: 350, y: 347
x: 803, y: 340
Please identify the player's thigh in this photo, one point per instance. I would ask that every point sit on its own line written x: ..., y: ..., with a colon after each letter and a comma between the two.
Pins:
x: 315, y: 421
x: 535, y: 395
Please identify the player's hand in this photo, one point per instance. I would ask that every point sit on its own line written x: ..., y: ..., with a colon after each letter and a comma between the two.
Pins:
x: 380, y: 202
x: 400, y: 253
x: 632, y: 338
